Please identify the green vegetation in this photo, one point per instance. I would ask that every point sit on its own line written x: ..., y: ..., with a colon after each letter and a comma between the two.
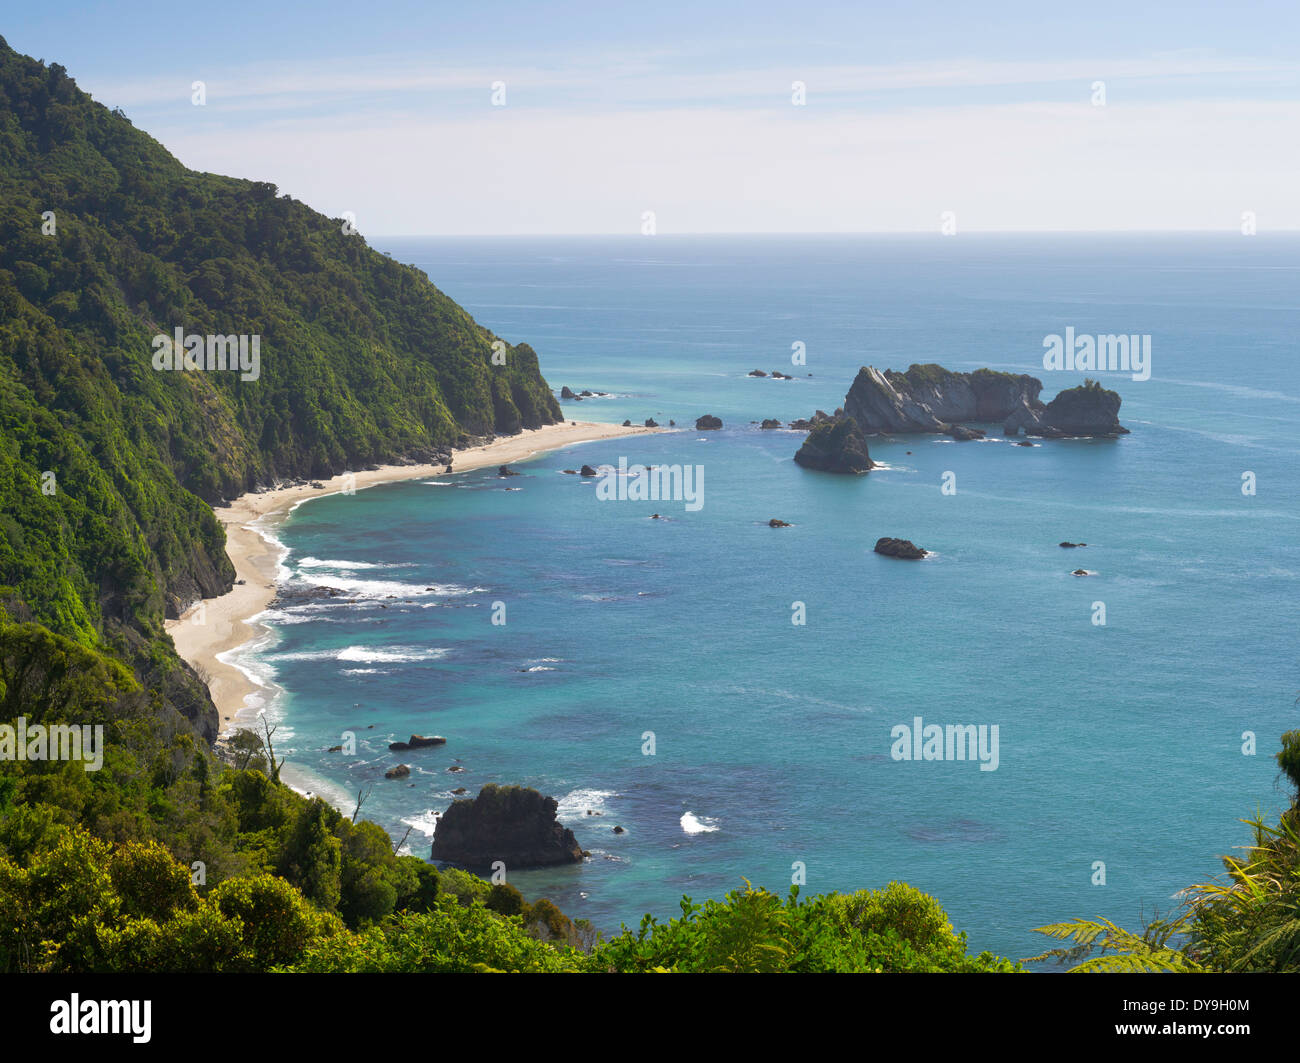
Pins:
x: 106, y: 464
x: 1247, y: 922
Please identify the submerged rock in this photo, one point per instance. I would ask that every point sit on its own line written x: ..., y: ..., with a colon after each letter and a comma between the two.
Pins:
x: 399, y: 772
x: 904, y: 549
x: 514, y: 824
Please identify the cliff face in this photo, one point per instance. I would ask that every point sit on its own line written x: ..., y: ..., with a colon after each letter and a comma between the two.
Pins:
x: 513, y: 824
x: 929, y: 398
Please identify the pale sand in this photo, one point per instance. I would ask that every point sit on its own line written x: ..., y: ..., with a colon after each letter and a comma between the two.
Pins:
x: 218, y: 625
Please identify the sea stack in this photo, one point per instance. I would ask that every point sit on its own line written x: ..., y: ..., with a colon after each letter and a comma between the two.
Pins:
x: 513, y: 824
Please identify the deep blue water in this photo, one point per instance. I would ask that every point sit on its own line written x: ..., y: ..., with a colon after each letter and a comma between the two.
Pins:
x: 1119, y: 743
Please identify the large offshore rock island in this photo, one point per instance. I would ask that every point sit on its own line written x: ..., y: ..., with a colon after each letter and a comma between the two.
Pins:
x: 929, y: 398
x: 934, y: 400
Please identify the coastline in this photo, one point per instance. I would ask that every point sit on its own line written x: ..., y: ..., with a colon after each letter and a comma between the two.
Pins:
x: 214, y: 627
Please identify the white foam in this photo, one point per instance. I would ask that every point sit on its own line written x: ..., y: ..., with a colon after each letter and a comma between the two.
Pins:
x: 693, y: 824
x: 574, y: 804
x: 367, y: 654
x: 316, y: 562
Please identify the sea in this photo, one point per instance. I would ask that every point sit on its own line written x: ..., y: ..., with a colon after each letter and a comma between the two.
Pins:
x: 742, y: 699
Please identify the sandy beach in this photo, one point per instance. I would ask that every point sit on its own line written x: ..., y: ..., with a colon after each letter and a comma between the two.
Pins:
x: 215, y: 626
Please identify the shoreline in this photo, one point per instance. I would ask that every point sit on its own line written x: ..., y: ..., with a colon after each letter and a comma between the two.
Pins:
x: 215, y: 627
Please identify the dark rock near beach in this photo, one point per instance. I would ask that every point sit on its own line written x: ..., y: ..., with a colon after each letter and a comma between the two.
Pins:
x: 589, y: 472
x: 904, y: 549
x: 650, y: 422
x: 708, y: 423
x: 770, y: 422
x: 505, y: 470
x: 566, y: 392
x: 627, y: 424
x: 514, y: 824
x: 399, y: 772
x: 835, y: 445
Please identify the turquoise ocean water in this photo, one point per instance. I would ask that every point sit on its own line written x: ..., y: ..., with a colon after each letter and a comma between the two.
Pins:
x: 1119, y: 743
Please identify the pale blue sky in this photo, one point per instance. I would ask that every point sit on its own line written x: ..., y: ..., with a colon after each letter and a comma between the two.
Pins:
x: 685, y: 109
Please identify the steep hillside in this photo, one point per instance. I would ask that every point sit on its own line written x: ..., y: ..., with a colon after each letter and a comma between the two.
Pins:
x: 106, y: 461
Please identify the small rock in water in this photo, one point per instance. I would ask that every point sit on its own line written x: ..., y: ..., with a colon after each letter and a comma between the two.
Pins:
x: 619, y: 830
x: 774, y: 523
x: 399, y: 772
x: 904, y: 549
x: 1073, y: 545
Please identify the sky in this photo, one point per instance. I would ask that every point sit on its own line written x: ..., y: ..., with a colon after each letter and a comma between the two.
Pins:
x: 519, y: 118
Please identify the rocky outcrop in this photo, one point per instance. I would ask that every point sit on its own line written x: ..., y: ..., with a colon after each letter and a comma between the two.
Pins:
x: 708, y: 423
x: 929, y: 398
x: 566, y: 392
x: 588, y: 471
x: 505, y: 470
x: 835, y: 445
x: 904, y: 549
x: 769, y: 423
x: 1086, y: 410
x: 513, y: 824
x: 418, y: 742
x: 399, y: 772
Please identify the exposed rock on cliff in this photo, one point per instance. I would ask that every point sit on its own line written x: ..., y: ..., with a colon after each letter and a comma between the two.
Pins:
x: 514, y: 824
x: 835, y: 445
